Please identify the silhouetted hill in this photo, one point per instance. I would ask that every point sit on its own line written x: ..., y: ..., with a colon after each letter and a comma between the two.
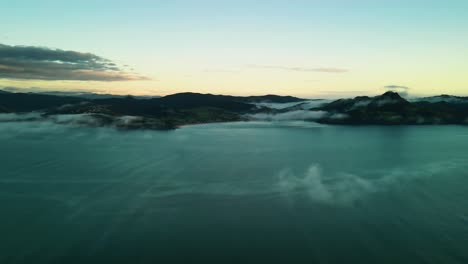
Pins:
x: 270, y: 98
x: 166, y: 112
x: 27, y: 102
x: 444, y: 99
x: 391, y: 109
x: 195, y: 100
x: 20, y: 102
x: 189, y: 108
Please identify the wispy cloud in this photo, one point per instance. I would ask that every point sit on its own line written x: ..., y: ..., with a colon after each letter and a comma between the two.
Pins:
x: 222, y: 71
x: 299, y: 69
x: 40, y: 63
x: 394, y: 87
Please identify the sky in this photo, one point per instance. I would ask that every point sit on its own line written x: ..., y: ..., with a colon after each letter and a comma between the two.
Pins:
x: 334, y: 48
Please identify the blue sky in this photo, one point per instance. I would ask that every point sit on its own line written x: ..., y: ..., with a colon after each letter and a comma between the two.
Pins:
x: 306, y: 48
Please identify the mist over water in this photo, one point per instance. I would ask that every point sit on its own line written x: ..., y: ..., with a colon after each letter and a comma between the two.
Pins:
x: 256, y: 192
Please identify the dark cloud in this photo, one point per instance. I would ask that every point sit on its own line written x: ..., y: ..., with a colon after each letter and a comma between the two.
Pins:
x: 299, y: 69
x: 23, y: 62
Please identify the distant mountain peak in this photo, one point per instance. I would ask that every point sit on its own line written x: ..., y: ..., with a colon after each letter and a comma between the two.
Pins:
x: 389, y: 98
x: 391, y: 94
x: 444, y: 98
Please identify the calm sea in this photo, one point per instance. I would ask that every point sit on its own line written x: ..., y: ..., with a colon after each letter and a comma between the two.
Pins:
x: 287, y: 192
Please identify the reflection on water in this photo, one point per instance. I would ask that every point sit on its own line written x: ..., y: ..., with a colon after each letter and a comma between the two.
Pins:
x: 284, y: 192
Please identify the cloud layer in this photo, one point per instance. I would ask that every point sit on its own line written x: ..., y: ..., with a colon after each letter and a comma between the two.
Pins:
x: 300, y: 69
x: 392, y: 87
x: 25, y: 62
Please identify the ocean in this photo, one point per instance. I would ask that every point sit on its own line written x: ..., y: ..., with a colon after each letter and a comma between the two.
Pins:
x: 247, y: 192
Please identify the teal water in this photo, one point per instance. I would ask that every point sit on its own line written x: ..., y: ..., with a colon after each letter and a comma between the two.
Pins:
x: 288, y: 192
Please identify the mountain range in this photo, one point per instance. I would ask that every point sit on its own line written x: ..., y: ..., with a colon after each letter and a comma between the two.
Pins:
x: 172, y: 111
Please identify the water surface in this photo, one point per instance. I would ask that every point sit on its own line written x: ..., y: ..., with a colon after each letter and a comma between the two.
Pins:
x: 287, y: 192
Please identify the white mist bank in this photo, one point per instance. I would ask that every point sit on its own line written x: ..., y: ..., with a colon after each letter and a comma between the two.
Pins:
x: 297, y: 115
x: 74, y: 120
x: 295, y: 111
x: 291, y: 116
x: 342, y: 188
x: 345, y: 188
x: 13, y: 117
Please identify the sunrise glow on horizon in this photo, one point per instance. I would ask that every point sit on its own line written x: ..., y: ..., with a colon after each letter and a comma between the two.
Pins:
x: 301, y: 48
